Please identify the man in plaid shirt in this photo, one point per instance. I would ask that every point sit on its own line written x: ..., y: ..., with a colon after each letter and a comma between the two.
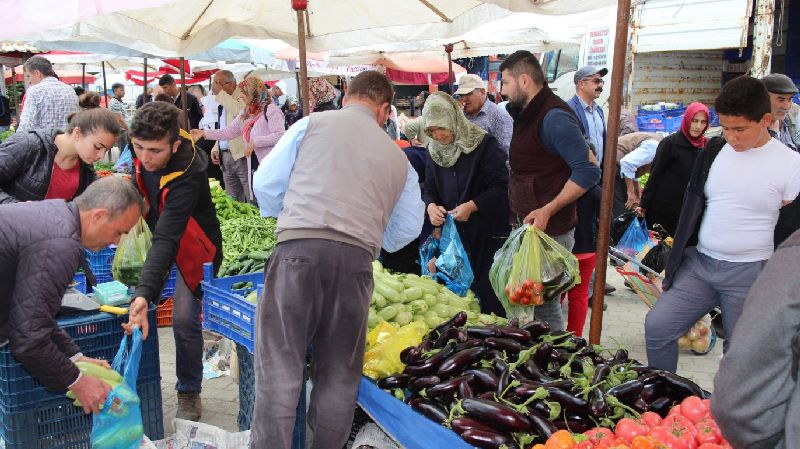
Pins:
x: 48, y: 101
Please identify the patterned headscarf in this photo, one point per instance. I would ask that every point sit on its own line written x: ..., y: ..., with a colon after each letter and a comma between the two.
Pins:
x: 260, y: 98
x: 321, y: 91
x: 442, y: 111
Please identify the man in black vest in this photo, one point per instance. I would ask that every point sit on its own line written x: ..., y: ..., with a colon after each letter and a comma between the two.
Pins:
x: 549, y: 158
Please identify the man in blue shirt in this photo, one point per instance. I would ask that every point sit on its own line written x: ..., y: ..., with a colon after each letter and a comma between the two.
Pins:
x: 588, y: 87
x: 491, y: 118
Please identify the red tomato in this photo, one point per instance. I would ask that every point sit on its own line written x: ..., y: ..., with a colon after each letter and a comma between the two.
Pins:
x: 694, y: 409
x: 675, y: 410
x: 526, y: 299
x: 708, y: 432
x: 600, y: 437
x: 586, y: 444
x: 709, y: 446
x: 651, y: 419
x: 628, y: 429
x: 664, y: 436
x: 679, y: 424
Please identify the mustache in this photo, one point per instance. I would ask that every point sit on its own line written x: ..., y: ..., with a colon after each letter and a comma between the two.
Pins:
x: 599, y: 90
x: 784, y: 111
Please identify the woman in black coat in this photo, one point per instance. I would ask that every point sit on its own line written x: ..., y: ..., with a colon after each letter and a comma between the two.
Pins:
x: 669, y: 175
x: 466, y: 176
x: 53, y: 164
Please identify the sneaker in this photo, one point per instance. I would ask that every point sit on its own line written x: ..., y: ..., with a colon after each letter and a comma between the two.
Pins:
x: 189, y: 406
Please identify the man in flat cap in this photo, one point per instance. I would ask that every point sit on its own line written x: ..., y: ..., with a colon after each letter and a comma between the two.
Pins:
x: 588, y: 87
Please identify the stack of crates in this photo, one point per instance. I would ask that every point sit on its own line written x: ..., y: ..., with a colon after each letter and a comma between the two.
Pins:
x: 33, y: 418
x: 100, y: 263
x: 663, y: 120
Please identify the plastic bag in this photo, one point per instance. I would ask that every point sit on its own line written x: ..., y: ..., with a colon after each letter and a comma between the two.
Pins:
x: 656, y: 257
x: 119, y: 424
x: 620, y: 225
x: 635, y: 239
x: 131, y: 253
x: 383, y: 359
x: 530, y: 269
x: 699, y: 338
x: 125, y: 162
x: 427, y: 251
x: 382, y: 332
x: 453, y: 263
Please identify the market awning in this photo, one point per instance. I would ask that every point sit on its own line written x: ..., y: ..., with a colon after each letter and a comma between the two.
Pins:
x: 66, y: 76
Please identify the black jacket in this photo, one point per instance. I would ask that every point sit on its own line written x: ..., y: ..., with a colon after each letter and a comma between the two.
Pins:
x: 184, y: 184
x: 195, y: 110
x: 694, y: 207
x: 5, y: 111
x: 26, y: 164
x: 40, y: 250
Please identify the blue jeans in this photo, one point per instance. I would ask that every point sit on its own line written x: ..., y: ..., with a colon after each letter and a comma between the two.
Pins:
x: 188, y: 331
x: 701, y: 284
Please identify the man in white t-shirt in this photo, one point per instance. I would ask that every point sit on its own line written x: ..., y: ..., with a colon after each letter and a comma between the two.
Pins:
x: 725, y: 232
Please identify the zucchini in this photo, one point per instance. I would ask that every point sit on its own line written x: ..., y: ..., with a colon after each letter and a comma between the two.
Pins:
x: 386, y: 291
x: 413, y: 293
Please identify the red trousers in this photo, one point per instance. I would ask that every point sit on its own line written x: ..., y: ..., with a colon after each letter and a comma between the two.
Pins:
x: 578, y: 297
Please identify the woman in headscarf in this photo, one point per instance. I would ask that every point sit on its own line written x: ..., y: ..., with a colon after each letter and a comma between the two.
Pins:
x: 291, y: 111
x: 322, y: 95
x: 261, y: 123
x: 466, y: 176
x: 669, y: 175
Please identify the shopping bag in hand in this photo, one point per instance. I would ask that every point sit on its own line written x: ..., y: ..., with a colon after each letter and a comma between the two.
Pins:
x: 131, y: 253
x: 620, y: 225
x: 530, y: 269
x: 119, y: 423
x: 427, y: 252
x: 452, y: 265
x: 635, y: 239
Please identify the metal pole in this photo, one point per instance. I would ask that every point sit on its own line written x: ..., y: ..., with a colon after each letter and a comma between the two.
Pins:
x: 83, y: 75
x: 301, y: 46
x: 609, y: 168
x: 105, y: 89
x: 449, y: 50
x: 144, y: 82
x: 762, y: 37
x: 184, y: 103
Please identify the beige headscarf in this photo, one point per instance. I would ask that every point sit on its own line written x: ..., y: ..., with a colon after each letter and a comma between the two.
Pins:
x: 442, y: 111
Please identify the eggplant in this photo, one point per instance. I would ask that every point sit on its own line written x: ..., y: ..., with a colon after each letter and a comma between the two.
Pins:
x: 652, y: 392
x: 430, y: 409
x: 458, y: 320
x: 503, y: 376
x: 471, y: 343
x: 579, y: 342
x: 537, y: 328
x: 541, y: 425
x: 483, y: 331
x: 598, y: 359
x: 627, y: 391
x: 504, y: 344
x: 527, y: 389
x: 597, y: 403
x: 574, y: 423
x: 680, y: 386
x: 423, y: 382
x: 484, y: 378
x: 425, y: 346
x: 601, y: 371
x: 488, y: 439
x: 492, y: 354
x: 464, y: 390
x: 540, y: 407
x: 459, y: 361
x: 487, y: 396
x: 542, y: 355
x: 515, y: 333
x: 446, y: 388
x: 431, y: 364
x: 499, y: 416
x: 640, y: 405
x: 620, y: 357
x: 660, y: 406
x: 569, y: 402
x: 410, y: 355
x: 532, y: 371
x: 392, y: 382
x: 461, y: 424
x: 562, y: 357
x: 453, y: 333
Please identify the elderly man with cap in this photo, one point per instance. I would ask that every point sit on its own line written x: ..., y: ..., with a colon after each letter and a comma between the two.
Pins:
x: 278, y: 90
x: 588, y: 87
x: 487, y: 115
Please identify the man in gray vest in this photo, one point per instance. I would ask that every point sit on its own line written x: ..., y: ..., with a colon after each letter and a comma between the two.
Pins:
x: 341, y: 191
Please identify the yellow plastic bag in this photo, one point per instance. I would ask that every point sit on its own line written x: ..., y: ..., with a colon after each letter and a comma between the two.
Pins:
x: 383, y: 359
x: 380, y: 334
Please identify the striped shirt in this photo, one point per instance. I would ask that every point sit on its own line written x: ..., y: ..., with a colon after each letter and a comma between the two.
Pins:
x: 495, y: 121
x: 47, y: 105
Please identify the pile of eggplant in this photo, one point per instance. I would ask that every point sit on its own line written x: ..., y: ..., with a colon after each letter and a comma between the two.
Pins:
x: 511, y: 386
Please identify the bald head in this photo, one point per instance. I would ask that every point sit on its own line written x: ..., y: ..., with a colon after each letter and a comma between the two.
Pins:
x: 223, y: 80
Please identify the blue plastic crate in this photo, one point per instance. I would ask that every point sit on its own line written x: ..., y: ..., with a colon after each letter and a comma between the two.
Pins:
x: 100, y: 263
x: 58, y: 424
x: 659, y: 123
x: 80, y: 282
x: 98, y: 335
x: 713, y: 119
x: 662, y: 111
x: 169, y: 285
x: 226, y: 312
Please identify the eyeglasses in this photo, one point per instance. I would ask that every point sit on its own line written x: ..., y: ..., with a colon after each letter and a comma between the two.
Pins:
x: 594, y: 80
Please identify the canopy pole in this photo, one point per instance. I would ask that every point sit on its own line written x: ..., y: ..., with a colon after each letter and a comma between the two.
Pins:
x: 14, y: 101
x: 300, y: 6
x: 105, y: 89
x: 609, y: 168
x: 144, y: 82
x: 184, y: 103
x: 449, y: 50
x: 83, y: 75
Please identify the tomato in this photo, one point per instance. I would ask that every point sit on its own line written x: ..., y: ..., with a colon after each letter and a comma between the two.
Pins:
x: 586, y: 444
x: 643, y: 442
x: 600, y: 437
x: 709, y: 446
x: 560, y: 440
x: 707, y: 404
x: 664, y: 435
x: 708, y: 432
x: 679, y: 424
x: 628, y: 429
x: 675, y: 410
x: 651, y: 419
x: 694, y: 409
x: 526, y: 299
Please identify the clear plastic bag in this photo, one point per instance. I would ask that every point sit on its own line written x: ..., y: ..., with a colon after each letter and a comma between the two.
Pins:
x: 131, y: 254
x: 452, y: 263
x: 635, y: 239
x: 119, y: 424
x: 125, y: 162
x: 699, y: 338
x: 530, y: 269
x: 383, y: 359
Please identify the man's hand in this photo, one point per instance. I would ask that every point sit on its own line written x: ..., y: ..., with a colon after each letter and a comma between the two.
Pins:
x: 539, y: 218
x: 464, y: 210
x: 215, y: 156
x: 415, y: 142
x: 432, y: 266
x: 91, y: 392
x: 248, y: 150
x: 137, y: 317
x: 632, y: 201
x: 436, y: 214
x: 98, y: 362
x: 197, y: 134
x: 640, y: 211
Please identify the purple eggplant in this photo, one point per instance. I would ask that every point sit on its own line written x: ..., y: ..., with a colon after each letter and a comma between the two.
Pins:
x: 627, y: 391
x: 569, y: 402
x: 431, y: 364
x: 504, y: 344
x: 640, y: 405
x: 527, y: 389
x: 597, y: 403
x: 392, y: 382
x: 499, y: 416
x: 537, y: 328
x: 471, y: 343
x: 681, y: 387
x: 487, y: 396
x: 543, y: 354
x: 600, y: 373
x: 620, y: 357
x: 652, y: 392
x: 465, y: 391
x: 574, y: 423
x: 462, y: 424
x: 515, y: 333
x: 503, y: 376
x: 534, y: 373
x: 459, y: 361
x: 661, y: 406
x: 484, y: 379
x: 541, y: 425
x: 453, y: 333
x: 483, y: 331
x: 458, y: 320
x: 428, y: 408
x: 410, y: 355
x: 423, y: 382
x: 446, y: 388
x: 488, y: 439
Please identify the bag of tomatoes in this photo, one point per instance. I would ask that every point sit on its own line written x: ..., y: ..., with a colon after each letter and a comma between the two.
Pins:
x: 530, y: 269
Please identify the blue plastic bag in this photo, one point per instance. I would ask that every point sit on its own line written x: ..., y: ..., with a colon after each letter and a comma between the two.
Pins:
x: 125, y: 162
x: 427, y: 251
x: 452, y: 265
x: 635, y: 239
x: 119, y: 424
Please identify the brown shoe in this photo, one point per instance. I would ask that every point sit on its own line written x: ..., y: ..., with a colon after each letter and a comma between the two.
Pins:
x: 189, y: 406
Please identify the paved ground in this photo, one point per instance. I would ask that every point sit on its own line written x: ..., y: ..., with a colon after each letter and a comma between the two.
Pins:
x: 623, y: 324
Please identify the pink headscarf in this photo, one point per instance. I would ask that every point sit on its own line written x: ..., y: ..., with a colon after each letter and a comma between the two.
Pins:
x: 686, y: 124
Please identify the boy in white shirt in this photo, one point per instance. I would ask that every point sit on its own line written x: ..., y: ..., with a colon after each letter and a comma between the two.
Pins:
x: 725, y: 232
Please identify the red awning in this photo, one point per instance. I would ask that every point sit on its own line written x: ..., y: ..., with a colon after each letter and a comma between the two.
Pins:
x: 66, y: 76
